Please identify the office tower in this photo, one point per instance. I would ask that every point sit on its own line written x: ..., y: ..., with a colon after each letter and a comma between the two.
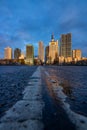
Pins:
x: 77, y: 54
x: 8, y: 53
x: 47, y: 54
x: 53, y: 50
x: 17, y: 53
x: 41, y: 52
x: 29, y: 54
x: 22, y: 56
x: 66, y: 45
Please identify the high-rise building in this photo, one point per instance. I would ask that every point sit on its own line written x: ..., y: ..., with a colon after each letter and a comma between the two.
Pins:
x: 22, y: 56
x: 17, y: 53
x: 47, y: 54
x: 77, y: 54
x: 66, y: 45
x: 41, y: 52
x: 29, y: 54
x: 53, y: 50
x: 8, y: 53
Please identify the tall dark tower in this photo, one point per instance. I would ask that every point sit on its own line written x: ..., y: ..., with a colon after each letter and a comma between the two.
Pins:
x: 46, y: 54
x: 29, y: 54
x: 17, y: 53
x: 66, y: 45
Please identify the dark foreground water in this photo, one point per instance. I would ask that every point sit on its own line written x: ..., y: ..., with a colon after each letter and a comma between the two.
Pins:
x: 13, y: 80
x: 74, y: 81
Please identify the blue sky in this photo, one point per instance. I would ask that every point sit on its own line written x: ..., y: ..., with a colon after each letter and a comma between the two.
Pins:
x: 29, y: 21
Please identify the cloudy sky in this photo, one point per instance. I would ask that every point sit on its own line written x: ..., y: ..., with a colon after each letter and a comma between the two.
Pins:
x: 29, y: 21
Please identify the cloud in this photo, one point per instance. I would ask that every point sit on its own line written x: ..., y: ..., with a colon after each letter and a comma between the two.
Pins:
x: 31, y: 21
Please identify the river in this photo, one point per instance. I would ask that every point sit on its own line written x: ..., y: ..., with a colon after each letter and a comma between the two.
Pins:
x: 73, y: 79
x: 13, y: 80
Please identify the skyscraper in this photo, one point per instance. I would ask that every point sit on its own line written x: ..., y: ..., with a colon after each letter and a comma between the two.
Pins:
x: 77, y: 54
x: 22, y: 56
x: 17, y: 53
x: 47, y: 54
x: 29, y: 54
x: 53, y: 50
x: 41, y: 52
x: 66, y: 45
x: 8, y: 53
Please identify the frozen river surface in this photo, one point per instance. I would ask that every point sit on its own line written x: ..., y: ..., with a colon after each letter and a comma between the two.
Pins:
x: 48, y: 97
x: 13, y: 80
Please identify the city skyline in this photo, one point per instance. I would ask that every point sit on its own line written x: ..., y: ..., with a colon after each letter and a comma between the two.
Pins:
x: 56, y: 49
x: 65, y: 39
x: 30, y: 22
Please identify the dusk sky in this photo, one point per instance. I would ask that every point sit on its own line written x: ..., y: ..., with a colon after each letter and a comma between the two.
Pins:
x: 31, y: 21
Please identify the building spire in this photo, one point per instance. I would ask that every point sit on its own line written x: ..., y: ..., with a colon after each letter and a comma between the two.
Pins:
x: 52, y: 37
